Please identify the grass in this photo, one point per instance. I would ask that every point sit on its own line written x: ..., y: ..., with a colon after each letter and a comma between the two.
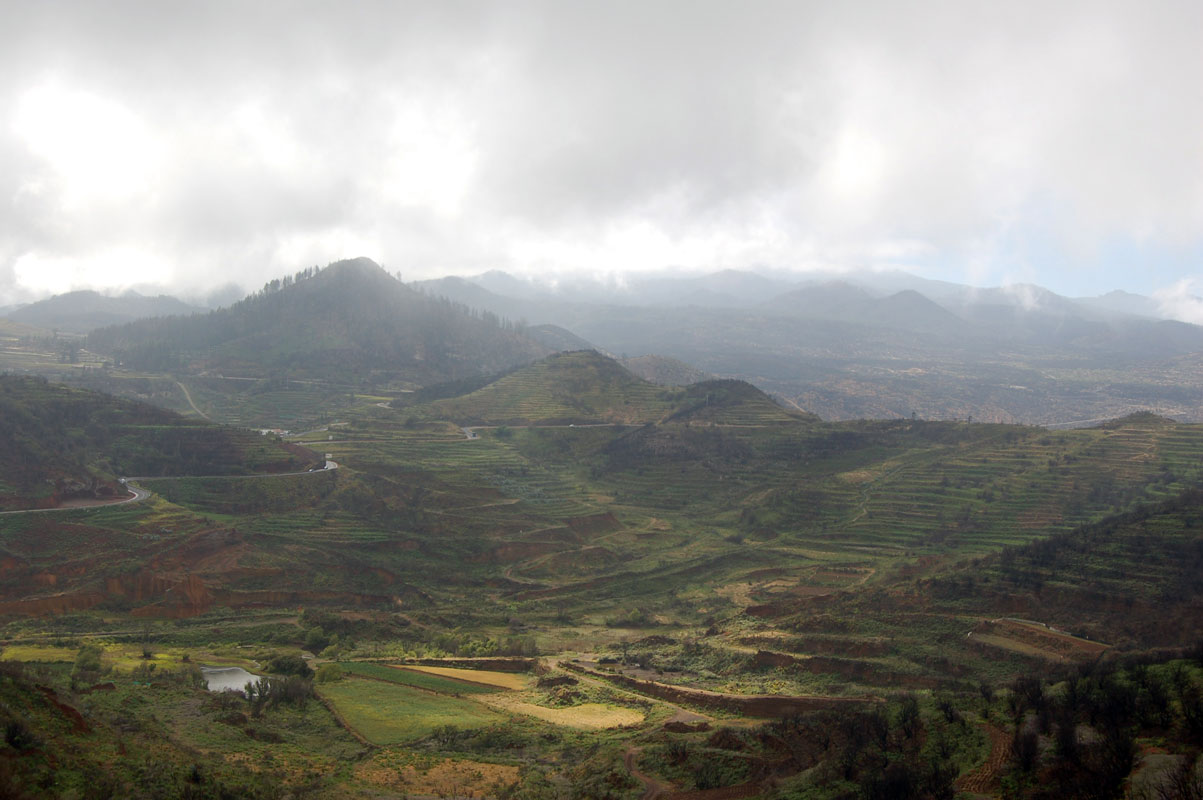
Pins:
x: 388, y: 713
x: 417, y: 678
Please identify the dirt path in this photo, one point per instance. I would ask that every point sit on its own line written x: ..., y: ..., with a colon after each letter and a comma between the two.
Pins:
x: 652, y: 788
x: 188, y: 397
x: 984, y: 777
x: 867, y: 491
x: 791, y: 401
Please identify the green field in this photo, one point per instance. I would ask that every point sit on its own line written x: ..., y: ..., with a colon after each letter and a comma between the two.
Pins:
x: 388, y: 713
x: 418, y: 680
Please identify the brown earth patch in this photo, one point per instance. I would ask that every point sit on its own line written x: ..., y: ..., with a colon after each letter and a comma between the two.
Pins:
x: 673, y: 726
x: 78, y: 725
x: 595, y: 524
x: 585, y: 559
x: 518, y: 551
x: 440, y: 778
x: 822, y: 646
x: 1038, y: 639
x: 491, y: 664
x: 859, y: 671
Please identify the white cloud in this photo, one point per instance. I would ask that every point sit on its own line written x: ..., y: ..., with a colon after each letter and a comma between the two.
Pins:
x: 989, y: 140
x: 1182, y: 301
x: 94, y: 149
x: 116, y: 268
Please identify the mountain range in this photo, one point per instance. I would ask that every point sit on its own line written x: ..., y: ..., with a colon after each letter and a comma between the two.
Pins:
x: 82, y: 311
x: 868, y: 345
x: 882, y: 344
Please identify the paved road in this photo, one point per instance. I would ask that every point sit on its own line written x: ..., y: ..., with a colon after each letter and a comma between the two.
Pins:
x: 1076, y: 423
x: 470, y: 432
x: 140, y: 494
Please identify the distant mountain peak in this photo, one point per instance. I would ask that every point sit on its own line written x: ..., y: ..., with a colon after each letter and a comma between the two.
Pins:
x: 359, y: 262
x: 84, y: 310
x: 347, y: 321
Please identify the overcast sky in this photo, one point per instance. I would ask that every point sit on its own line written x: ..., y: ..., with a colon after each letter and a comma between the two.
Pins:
x: 192, y: 144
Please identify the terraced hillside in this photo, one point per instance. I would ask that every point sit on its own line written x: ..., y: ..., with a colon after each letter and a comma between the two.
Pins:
x: 580, y: 386
x: 59, y: 443
x: 684, y: 572
x: 726, y: 503
x: 584, y: 387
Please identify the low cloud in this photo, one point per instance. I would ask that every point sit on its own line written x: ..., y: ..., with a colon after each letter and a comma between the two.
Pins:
x: 1183, y: 301
x: 234, y: 141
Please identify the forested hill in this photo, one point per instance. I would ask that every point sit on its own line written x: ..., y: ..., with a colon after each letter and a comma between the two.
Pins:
x: 349, y: 321
x: 57, y: 443
x: 82, y: 311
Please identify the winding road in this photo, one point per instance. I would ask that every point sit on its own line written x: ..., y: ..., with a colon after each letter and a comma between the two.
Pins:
x: 140, y: 494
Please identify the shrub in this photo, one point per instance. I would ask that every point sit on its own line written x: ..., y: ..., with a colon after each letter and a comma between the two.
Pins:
x: 289, y: 665
x: 329, y: 673
x: 19, y: 736
x: 87, y: 661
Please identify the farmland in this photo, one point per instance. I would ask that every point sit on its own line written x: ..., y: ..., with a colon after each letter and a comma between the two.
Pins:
x: 386, y: 713
x: 640, y: 584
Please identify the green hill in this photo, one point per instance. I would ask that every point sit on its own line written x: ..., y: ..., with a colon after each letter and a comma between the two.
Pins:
x: 577, y: 387
x: 585, y: 387
x: 730, y: 402
x: 57, y: 443
x: 82, y: 311
x: 350, y: 322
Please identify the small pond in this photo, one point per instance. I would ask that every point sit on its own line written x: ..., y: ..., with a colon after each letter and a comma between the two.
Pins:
x: 225, y: 679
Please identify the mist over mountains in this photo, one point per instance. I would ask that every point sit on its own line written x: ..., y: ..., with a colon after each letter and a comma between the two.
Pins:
x: 351, y: 321
x: 879, y: 345
x: 82, y: 311
x: 868, y: 345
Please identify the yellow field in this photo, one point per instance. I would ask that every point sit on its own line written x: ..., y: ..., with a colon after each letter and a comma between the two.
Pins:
x: 587, y: 716
x: 505, y: 680
x: 128, y: 657
x: 37, y: 652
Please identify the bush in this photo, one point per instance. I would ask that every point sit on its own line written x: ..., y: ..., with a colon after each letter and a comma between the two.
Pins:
x: 329, y: 673
x: 271, y: 692
x: 87, y: 661
x: 289, y: 665
x: 19, y: 736
x: 316, y: 639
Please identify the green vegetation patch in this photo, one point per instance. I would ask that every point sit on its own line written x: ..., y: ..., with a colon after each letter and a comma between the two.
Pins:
x: 389, y: 713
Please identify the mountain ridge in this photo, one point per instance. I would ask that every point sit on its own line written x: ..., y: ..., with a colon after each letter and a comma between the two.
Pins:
x: 85, y: 310
x: 349, y: 321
